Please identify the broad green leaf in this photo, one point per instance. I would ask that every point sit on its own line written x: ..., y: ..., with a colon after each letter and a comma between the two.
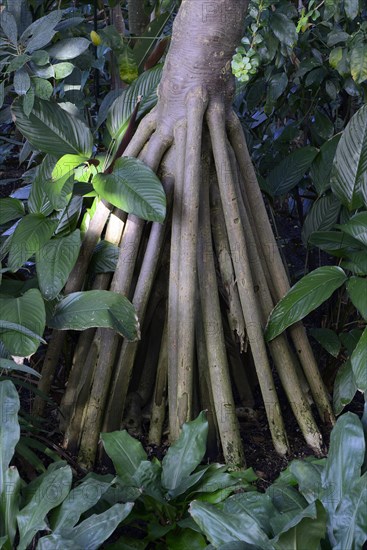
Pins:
x: 187, y: 483
x: 53, y: 489
x: 283, y: 28
x: 344, y: 462
x: 351, y: 8
x: 66, y: 164
x: 357, y: 227
x: 93, y: 532
x: 322, y: 216
x: 309, y: 525
x: 308, y: 476
x: 305, y: 296
x: 8, y: 326
x: 288, y: 502
x: 69, y: 48
x: 59, y: 187
x: 357, y: 290
x: 17, y: 62
x: 30, y: 235
x: 349, y: 173
x: 57, y: 542
x: 54, y: 263
x: 358, y: 63
x: 186, y: 453
x: 119, y: 114
x: 222, y: 527
x: 78, y: 501
x: 42, y: 88
x: 359, y: 362
x: 350, y: 339
x: 125, y: 452
x: 52, y: 130
x: 41, y: 32
x: 336, y: 243
x: 69, y: 216
x: 147, y: 478
x: 28, y: 103
x: 40, y: 57
x: 96, y: 308
x: 356, y: 262
x: 276, y: 86
x: 184, y: 539
x: 104, y: 258
x: 328, y: 339
x: 9, y: 503
x: 258, y: 506
x: 9, y: 426
x: 62, y: 70
x: 291, y: 170
x: 29, y: 311
x: 7, y: 364
x: 134, y: 188
x: 21, y: 81
x: 38, y: 202
x: 349, y: 521
x: 10, y: 209
x: 321, y: 166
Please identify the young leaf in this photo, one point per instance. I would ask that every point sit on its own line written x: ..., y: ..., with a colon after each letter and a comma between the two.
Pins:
x: 96, y: 308
x: 134, y: 188
x: 29, y: 311
x: 32, y: 232
x: 349, y: 173
x: 54, y: 263
x: 305, y: 296
x: 51, y: 129
x: 359, y: 362
x: 125, y: 452
x: 186, y: 453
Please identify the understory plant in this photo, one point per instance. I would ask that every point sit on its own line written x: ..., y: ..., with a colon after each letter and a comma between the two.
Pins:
x: 179, y: 502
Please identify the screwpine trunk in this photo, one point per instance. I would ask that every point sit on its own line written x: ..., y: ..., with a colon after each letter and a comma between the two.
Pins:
x: 219, y: 293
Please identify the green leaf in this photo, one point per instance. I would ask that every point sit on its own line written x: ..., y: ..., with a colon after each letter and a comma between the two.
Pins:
x: 334, y: 242
x: 21, y: 81
x: 305, y: 296
x: 9, y: 426
x: 276, y: 86
x: 328, y: 339
x: 221, y: 527
x: 28, y: 103
x: 62, y: 70
x: 52, y: 490
x: 41, y: 32
x: 57, y: 542
x: 96, y: 308
x: 350, y: 518
x: 17, y: 62
x: 104, y: 259
x: 29, y: 311
x: 351, y: 8
x: 42, y: 88
x: 31, y: 234
x: 356, y: 262
x: 9, y: 26
x: 40, y: 57
x: 59, y: 187
x: 283, y: 28
x: 93, y: 532
x: 134, y: 188
x: 8, y: 326
x: 258, y: 506
x: 322, y: 216
x: 125, y: 452
x: 9, y: 503
x: 357, y: 227
x: 291, y: 170
x: 308, y: 476
x: 357, y: 290
x: 349, y: 173
x: 128, y: 69
x: 358, y: 63
x: 10, y: 209
x: 322, y: 164
x: 54, y: 263
x: 78, y: 501
x: 344, y: 462
x: 184, y: 539
x: 309, y: 525
x: 359, y: 361
x: 52, y: 130
x: 38, y: 202
x: 186, y: 453
x: 7, y: 364
x: 69, y: 48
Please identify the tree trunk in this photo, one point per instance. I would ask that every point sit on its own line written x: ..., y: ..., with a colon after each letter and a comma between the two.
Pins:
x: 194, y: 128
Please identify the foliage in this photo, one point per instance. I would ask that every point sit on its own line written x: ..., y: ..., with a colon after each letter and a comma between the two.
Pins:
x: 47, y: 510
